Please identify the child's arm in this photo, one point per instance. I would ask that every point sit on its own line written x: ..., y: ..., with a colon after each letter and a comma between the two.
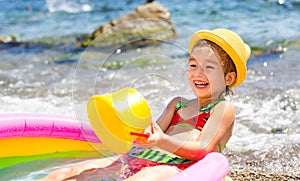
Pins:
x: 165, y: 119
x: 217, y: 130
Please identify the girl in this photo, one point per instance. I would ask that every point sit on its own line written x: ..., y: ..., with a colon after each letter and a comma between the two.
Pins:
x: 188, y: 129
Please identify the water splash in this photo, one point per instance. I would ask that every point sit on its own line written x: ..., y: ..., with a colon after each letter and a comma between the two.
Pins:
x: 70, y: 6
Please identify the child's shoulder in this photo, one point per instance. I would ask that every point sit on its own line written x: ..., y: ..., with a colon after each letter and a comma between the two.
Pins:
x: 176, y: 101
x: 224, y: 105
x: 181, y: 102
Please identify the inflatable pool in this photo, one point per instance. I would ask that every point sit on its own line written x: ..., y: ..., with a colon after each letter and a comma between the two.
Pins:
x: 28, y: 137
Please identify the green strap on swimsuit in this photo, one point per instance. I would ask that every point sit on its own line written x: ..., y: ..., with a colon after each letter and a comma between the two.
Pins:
x: 207, y: 108
x: 181, y: 104
x: 157, y: 156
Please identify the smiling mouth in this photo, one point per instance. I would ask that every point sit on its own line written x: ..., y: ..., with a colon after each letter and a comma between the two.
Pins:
x: 200, y: 84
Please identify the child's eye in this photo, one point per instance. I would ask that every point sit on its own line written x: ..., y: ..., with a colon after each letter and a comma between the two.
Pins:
x: 210, y: 67
x: 192, y: 65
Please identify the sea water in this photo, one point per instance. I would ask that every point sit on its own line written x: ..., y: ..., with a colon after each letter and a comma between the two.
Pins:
x: 44, y: 73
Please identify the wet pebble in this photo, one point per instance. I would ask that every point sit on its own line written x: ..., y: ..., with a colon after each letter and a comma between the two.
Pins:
x: 238, y: 175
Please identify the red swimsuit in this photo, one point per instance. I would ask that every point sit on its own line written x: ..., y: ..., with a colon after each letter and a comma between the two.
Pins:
x: 197, y: 122
x: 135, y: 163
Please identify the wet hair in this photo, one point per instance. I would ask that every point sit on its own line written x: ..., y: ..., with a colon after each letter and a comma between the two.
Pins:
x: 225, y: 60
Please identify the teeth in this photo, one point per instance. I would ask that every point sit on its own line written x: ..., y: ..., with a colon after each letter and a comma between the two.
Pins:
x: 200, y: 83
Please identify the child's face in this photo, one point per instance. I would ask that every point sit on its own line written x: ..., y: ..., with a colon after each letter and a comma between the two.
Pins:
x: 205, y: 73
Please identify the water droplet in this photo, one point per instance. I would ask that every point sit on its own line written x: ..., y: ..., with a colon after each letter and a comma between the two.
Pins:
x: 265, y: 64
x: 118, y: 51
x: 281, y: 1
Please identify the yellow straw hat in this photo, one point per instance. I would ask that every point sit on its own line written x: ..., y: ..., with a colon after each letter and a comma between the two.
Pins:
x: 114, y: 117
x: 232, y: 44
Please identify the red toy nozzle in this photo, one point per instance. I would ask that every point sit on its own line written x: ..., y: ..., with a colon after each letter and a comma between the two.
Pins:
x: 146, y: 135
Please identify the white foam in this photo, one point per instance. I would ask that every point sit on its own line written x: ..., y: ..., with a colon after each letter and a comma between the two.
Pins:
x: 50, y: 105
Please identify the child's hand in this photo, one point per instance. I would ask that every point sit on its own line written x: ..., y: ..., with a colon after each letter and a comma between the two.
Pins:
x: 156, y: 137
x: 157, y: 134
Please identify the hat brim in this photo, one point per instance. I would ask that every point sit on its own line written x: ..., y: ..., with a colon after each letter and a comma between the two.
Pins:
x: 221, y: 41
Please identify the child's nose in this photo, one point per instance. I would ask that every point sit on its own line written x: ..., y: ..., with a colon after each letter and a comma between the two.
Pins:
x: 200, y: 70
